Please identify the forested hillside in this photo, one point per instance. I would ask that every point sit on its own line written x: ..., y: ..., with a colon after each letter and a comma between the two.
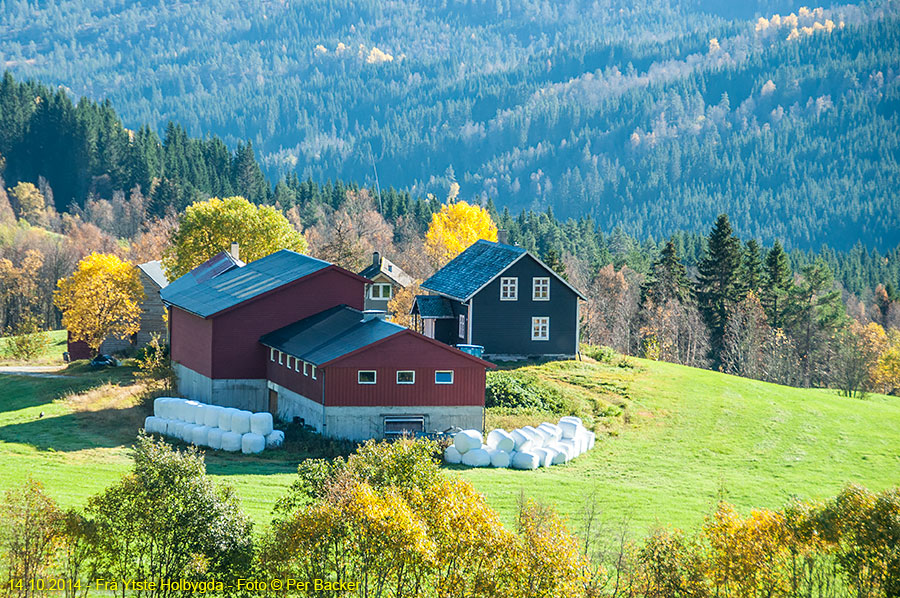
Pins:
x: 651, y: 116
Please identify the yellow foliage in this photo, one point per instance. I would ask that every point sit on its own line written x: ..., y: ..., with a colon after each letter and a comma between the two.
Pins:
x: 101, y: 298
x: 455, y: 228
x: 401, y: 304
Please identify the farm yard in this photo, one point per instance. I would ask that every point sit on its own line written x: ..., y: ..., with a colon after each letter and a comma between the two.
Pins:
x: 671, y: 441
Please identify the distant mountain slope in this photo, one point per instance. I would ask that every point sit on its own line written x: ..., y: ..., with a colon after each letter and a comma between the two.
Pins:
x: 654, y: 116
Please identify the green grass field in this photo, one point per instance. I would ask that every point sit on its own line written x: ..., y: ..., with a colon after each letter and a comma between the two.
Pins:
x: 52, y: 355
x: 688, y: 437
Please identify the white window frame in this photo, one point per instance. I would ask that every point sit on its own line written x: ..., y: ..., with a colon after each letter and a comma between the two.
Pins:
x: 509, y: 288
x: 359, y: 373
x: 436, y: 372
x: 536, y: 324
x: 280, y: 358
x: 380, y: 286
x: 296, y: 365
x: 462, y: 326
x: 413, y: 372
x: 305, y: 370
x: 272, y: 355
x: 313, y: 371
x: 542, y: 283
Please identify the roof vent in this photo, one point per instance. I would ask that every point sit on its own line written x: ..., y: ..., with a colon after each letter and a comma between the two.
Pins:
x: 372, y: 314
x: 235, y: 251
x: 503, y: 237
x: 376, y: 259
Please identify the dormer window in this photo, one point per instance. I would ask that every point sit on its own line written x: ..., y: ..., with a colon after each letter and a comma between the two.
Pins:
x: 509, y: 289
x: 540, y: 289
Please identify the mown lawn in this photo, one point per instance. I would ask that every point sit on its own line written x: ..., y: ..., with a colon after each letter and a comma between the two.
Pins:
x: 687, y: 437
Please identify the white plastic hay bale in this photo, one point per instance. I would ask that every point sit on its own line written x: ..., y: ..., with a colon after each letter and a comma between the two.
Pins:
x: 177, y: 429
x: 501, y: 439
x: 553, y: 430
x: 187, y: 432
x: 533, y: 434
x: 569, y: 428
x: 561, y: 455
x: 240, y: 422
x: 571, y: 450
x: 231, y: 442
x: 545, y: 436
x: 150, y: 424
x: 572, y: 418
x: 261, y: 423
x: 159, y: 406
x: 200, y: 436
x: 500, y: 458
x: 214, y: 438
x: 252, y: 444
x: 525, y: 460
x: 211, y: 416
x: 171, y: 425
x: 582, y: 440
x: 225, y: 417
x: 274, y: 439
x: 545, y: 457
x: 467, y: 440
x: 190, y: 408
x: 452, y: 455
x: 200, y: 414
x: 477, y: 457
x: 521, y: 439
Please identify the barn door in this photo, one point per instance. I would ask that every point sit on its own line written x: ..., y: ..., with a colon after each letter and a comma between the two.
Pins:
x: 273, y: 401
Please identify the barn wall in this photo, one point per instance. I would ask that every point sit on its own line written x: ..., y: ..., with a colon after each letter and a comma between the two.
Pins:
x: 286, y: 376
x: 362, y: 423
x: 237, y: 352
x: 405, y: 351
x: 152, y: 312
x: 192, y: 341
x: 292, y: 404
x: 241, y: 393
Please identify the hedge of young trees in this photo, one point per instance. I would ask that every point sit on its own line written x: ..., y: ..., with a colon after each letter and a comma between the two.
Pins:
x: 387, y: 521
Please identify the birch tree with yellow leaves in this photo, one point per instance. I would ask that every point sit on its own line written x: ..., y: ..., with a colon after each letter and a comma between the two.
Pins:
x: 455, y: 227
x: 101, y: 298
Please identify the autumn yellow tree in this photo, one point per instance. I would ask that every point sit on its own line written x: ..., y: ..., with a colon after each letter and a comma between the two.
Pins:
x: 28, y: 202
x: 454, y: 228
x: 401, y: 303
x: 208, y: 227
x: 101, y: 298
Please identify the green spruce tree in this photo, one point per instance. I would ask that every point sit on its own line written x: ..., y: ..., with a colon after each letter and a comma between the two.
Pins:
x: 752, y: 267
x: 777, y: 284
x: 667, y: 279
x: 719, y: 283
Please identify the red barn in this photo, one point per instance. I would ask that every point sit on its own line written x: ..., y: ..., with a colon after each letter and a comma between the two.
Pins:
x: 287, y: 334
x: 351, y: 374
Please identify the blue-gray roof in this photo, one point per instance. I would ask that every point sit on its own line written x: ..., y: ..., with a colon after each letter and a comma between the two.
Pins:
x: 208, y: 295
x: 329, y: 335
x: 156, y: 273
x: 472, y: 269
x: 432, y: 306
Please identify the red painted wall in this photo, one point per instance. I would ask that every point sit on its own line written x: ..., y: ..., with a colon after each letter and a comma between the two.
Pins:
x: 237, y: 352
x: 191, y: 340
x: 293, y: 380
x: 405, y: 351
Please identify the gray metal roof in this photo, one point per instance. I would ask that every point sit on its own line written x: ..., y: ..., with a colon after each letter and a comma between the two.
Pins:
x: 468, y: 272
x: 211, y: 294
x: 329, y: 335
x: 432, y: 306
x: 156, y: 273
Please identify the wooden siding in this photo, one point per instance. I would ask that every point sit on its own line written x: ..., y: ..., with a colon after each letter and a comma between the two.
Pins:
x: 152, y: 312
x: 293, y: 380
x: 192, y: 341
x: 237, y: 352
x: 405, y: 351
x: 504, y: 327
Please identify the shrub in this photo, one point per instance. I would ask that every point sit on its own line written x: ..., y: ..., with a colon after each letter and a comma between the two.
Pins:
x: 27, y: 340
x: 521, y: 391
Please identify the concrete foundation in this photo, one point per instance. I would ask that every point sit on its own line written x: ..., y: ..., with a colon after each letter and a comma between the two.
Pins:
x: 362, y: 423
x: 249, y: 394
x: 292, y: 404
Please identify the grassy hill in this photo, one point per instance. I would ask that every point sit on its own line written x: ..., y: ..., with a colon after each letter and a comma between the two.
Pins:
x: 681, y: 438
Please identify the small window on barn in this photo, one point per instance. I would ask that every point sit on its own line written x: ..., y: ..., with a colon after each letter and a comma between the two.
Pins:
x: 305, y: 369
x: 509, y: 289
x: 406, y: 377
x: 296, y: 365
x: 365, y: 377
x: 313, y: 371
x: 540, y: 290
x: 540, y: 328
x: 443, y: 377
x: 272, y: 354
x: 280, y: 358
x: 287, y: 362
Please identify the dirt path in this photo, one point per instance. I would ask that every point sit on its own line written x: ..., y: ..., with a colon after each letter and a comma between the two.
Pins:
x: 36, y: 371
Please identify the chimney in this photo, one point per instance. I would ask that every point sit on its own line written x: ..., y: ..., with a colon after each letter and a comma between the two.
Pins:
x: 376, y: 259
x: 372, y: 314
x: 503, y: 237
x: 235, y: 251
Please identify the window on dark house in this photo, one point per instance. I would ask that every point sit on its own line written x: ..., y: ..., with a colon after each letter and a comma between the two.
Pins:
x: 509, y: 289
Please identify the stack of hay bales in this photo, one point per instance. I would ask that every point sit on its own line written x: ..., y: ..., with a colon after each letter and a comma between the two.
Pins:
x: 219, y: 428
x: 523, y: 448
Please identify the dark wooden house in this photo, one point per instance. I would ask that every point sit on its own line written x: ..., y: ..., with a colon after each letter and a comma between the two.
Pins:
x: 387, y: 278
x: 502, y: 298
